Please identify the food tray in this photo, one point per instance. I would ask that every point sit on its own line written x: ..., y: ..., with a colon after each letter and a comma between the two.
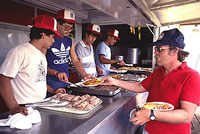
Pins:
x: 71, y: 110
x: 97, y: 90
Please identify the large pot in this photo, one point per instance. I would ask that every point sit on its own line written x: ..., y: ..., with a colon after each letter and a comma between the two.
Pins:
x: 133, y: 55
x: 119, y: 57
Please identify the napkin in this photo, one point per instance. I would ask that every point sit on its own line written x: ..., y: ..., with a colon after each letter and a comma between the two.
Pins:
x: 21, y: 121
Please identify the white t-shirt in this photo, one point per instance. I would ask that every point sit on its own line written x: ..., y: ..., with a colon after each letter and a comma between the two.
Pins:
x: 28, y: 67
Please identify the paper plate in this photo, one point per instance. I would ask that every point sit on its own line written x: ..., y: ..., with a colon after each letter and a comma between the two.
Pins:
x: 132, y: 114
x: 92, y: 84
x: 161, y: 106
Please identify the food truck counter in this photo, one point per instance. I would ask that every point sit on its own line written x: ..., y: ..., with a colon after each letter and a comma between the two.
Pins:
x: 112, y: 116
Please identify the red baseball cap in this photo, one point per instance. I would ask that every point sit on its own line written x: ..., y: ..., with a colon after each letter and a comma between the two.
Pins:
x: 114, y: 33
x: 46, y: 22
x: 94, y: 28
x: 67, y: 15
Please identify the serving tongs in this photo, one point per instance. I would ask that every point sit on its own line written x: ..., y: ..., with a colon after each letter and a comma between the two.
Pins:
x: 73, y: 84
x: 49, y: 102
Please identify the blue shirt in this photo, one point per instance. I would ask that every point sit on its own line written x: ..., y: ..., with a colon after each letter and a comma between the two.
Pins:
x: 58, y: 56
x: 103, y: 49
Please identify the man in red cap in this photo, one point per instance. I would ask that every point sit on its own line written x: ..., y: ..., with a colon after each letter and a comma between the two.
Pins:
x: 59, y: 53
x: 23, y: 72
x: 103, y: 52
x: 84, y: 50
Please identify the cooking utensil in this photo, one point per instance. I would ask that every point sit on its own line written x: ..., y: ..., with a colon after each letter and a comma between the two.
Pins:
x: 73, y: 84
x: 49, y: 103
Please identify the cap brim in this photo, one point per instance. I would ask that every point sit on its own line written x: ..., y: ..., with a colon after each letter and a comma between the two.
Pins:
x: 95, y: 32
x: 157, y: 43
x: 70, y: 21
x: 117, y: 37
x: 57, y: 34
x: 114, y: 36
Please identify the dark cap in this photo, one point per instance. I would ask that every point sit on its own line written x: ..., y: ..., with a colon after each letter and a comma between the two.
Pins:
x: 171, y: 37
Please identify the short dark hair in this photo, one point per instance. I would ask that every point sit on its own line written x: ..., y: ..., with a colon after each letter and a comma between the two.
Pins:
x: 35, y: 33
x: 88, y: 32
x: 181, y: 53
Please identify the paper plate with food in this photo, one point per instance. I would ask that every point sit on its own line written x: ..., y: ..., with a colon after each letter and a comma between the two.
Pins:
x: 117, y: 76
x: 92, y: 82
x: 161, y: 106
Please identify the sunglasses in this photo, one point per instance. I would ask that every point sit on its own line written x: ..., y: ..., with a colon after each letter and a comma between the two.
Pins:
x: 66, y: 27
x: 159, y: 49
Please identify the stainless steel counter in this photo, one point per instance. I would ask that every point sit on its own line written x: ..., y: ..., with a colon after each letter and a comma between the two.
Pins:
x: 112, y: 116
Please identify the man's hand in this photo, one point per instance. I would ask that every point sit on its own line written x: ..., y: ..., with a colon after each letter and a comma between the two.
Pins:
x: 19, y: 109
x: 99, y: 70
x: 108, y: 81
x: 60, y: 90
x: 62, y: 76
x: 141, y: 117
x: 121, y: 63
x: 88, y: 76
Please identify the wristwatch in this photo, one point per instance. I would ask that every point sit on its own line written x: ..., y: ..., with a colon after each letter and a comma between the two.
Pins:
x: 152, y: 116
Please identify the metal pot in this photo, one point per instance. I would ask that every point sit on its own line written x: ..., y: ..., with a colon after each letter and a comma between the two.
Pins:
x: 133, y: 55
x: 119, y: 57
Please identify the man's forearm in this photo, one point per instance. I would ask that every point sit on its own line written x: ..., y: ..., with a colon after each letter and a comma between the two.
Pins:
x: 51, y: 72
x: 50, y: 90
x: 79, y: 68
x: 131, y: 86
x: 6, y: 92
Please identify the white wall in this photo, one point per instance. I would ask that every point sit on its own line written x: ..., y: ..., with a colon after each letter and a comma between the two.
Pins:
x: 10, y: 36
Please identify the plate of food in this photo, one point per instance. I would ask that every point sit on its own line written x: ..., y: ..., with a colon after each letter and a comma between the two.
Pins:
x: 92, y: 82
x: 117, y: 76
x: 161, y: 106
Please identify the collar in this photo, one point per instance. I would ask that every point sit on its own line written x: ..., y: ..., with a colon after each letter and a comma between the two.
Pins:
x: 182, y: 66
x: 82, y: 43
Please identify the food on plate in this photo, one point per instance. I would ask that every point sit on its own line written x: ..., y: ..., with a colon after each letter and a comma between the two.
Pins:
x: 82, y: 105
x: 85, y: 102
x: 158, y: 106
x: 107, y: 87
x: 130, y: 68
x: 95, y: 101
x: 117, y: 76
x: 76, y: 103
x: 68, y: 97
x: 92, y: 82
x: 84, y: 97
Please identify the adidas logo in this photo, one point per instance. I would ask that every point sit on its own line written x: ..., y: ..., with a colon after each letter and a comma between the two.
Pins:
x: 62, y: 54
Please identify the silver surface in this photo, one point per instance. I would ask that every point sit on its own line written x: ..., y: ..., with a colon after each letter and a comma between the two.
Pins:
x: 94, y: 91
x: 133, y: 55
x: 111, y: 117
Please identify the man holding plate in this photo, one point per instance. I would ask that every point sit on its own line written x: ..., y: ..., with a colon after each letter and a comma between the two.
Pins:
x: 173, y: 82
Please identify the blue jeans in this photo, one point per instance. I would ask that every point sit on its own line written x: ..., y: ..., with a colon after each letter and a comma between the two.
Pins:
x: 55, y: 84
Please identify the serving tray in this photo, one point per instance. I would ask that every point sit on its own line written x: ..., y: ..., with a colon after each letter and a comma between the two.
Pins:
x: 97, y: 90
x: 71, y: 110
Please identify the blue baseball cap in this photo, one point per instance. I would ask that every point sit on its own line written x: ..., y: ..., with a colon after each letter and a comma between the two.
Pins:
x: 172, y: 37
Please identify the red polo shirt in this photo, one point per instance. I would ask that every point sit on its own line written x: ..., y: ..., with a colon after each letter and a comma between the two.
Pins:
x: 182, y: 84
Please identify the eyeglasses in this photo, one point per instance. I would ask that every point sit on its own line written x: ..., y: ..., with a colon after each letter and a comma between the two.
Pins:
x: 159, y: 49
x: 66, y: 27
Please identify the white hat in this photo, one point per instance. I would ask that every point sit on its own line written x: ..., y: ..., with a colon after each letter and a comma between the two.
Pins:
x: 94, y: 28
x: 114, y: 33
x: 67, y: 15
